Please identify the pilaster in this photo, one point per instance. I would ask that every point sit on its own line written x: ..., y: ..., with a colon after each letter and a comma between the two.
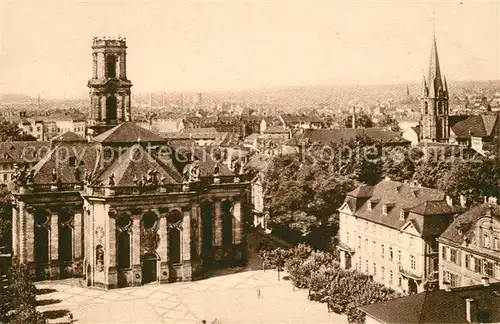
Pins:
x: 217, y: 224
x: 112, y: 281
x: 22, y: 233
x: 54, y: 245
x: 237, y: 223
x: 30, y: 235
x: 15, y: 231
x: 136, y: 249
x: 186, y: 245
x: 77, y: 235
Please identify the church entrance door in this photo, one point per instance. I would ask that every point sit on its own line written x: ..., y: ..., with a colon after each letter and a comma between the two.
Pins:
x: 149, y: 264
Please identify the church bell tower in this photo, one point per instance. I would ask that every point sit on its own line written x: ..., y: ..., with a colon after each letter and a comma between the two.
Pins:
x: 109, y: 86
x: 434, y: 101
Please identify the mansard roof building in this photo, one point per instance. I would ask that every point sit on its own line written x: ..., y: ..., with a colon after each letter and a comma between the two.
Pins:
x: 389, y: 230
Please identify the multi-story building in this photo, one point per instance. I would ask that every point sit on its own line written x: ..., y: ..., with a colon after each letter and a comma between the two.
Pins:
x: 469, y: 249
x: 33, y: 127
x: 19, y: 155
x: 389, y: 231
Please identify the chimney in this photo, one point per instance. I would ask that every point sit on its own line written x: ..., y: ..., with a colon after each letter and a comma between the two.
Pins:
x: 470, y: 310
x: 449, y: 201
x: 463, y: 201
x: 485, y: 281
x: 447, y: 286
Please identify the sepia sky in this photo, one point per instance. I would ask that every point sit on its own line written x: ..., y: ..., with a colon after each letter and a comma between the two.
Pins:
x: 232, y: 45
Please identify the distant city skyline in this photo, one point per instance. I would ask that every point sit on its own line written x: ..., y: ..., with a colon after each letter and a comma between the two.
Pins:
x: 217, y: 46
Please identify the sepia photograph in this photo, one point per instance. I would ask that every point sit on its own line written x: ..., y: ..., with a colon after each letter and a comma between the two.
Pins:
x: 249, y: 161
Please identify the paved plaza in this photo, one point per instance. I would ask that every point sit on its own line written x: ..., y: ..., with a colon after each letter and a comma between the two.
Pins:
x: 229, y: 298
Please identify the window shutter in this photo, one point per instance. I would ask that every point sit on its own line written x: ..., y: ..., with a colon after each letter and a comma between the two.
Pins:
x: 459, y: 257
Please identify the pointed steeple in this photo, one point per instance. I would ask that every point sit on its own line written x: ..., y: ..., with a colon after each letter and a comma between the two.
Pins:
x: 432, y: 85
x: 445, y: 86
x: 425, y: 91
x: 434, y: 70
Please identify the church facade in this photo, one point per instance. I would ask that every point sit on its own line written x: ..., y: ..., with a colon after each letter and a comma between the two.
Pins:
x: 123, y: 207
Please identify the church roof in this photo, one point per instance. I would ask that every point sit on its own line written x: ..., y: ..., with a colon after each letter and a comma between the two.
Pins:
x: 434, y: 68
x: 477, y: 125
x: 135, y: 161
x: 128, y: 132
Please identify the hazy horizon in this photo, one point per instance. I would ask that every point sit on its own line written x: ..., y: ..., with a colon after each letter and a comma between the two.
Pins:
x: 246, y: 46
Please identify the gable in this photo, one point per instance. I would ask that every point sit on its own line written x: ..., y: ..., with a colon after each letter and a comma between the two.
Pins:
x: 345, y: 209
x: 410, y: 228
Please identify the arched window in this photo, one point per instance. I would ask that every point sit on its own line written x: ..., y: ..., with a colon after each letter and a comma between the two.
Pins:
x: 207, y: 214
x: 227, y: 223
x: 65, y: 241
x: 123, y: 223
x: 111, y: 108
x: 149, y: 220
x: 426, y: 108
x: 41, y: 242
x: 174, y: 221
x: 111, y: 66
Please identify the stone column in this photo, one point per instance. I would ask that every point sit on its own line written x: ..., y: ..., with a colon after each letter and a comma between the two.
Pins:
x: 77, y: 236
x: 15, y: 231
x: 94, y: 65
x: 102, y: 109
x: 30, y: 235
x: 237, y: 223
x: 186, y: 245
x: 54, y: 245
x: 119, y: 108
x: 217, y: 232
x: 128, y: 108
x: 136, y: 249
x: 123, y: 114
x: 163, y: 248
x: 195, y: 216
x: 112, y: 281
x: 22, y: 233
x: 123, y: 66
x: 100, y: 65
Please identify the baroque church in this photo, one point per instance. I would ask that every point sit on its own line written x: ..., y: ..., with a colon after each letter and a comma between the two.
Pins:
x: 124, y: 207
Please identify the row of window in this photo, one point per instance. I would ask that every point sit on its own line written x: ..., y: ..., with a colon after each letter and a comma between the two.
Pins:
x: 381, y: 276
x: 411, y: 240
x: 472, y: 263
x: 390, y: 254
x: 490, y: 242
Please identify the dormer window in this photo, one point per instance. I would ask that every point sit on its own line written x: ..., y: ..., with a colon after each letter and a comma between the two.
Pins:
x: 415, y: 193
x: 369, y: 206
x: 402, y: 215
x: 384, y: 209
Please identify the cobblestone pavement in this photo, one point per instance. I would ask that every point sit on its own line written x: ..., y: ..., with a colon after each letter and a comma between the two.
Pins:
x: 229, y: 299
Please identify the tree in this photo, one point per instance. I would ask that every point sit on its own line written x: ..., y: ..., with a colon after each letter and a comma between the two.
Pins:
x: 362, y: 121
x: 468, y: 178
x: 19, y: 297
x: 11, y: 132
x: 28, y: 314
x: 400, y: 164
x: 389, y: 122
x: 5, y: 217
